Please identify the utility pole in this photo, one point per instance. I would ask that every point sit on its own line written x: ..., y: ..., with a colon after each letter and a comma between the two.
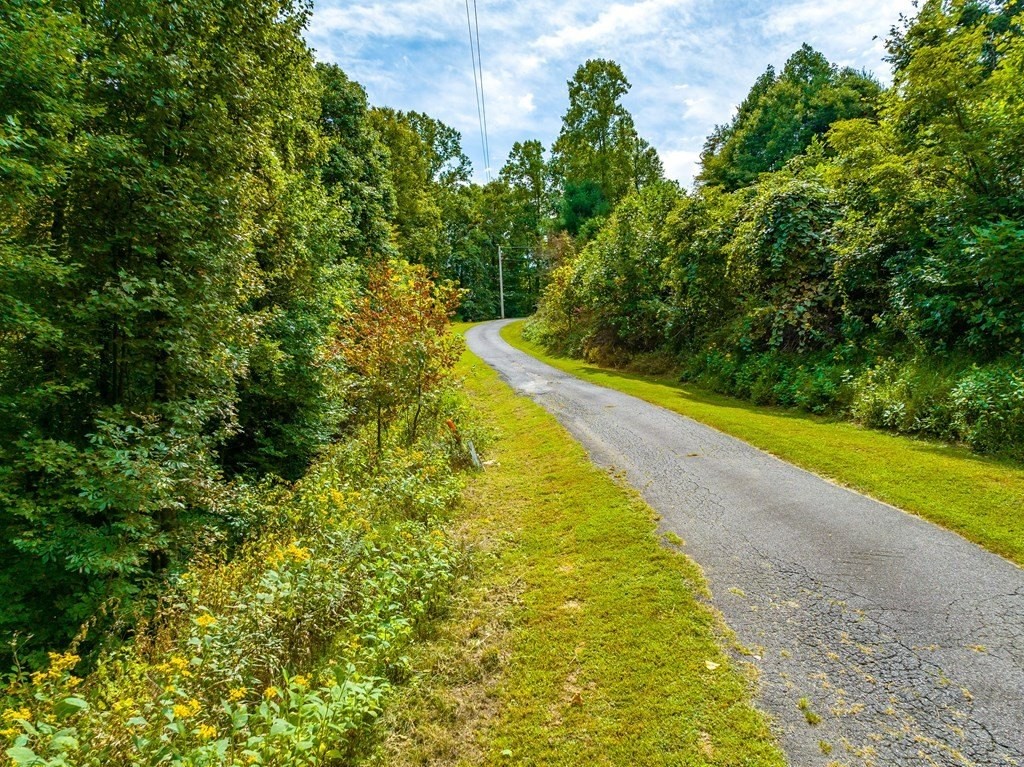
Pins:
x: 501, y: 284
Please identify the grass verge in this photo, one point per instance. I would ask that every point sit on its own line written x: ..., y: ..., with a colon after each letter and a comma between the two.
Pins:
x: 980, y: 498
x: 583, y: 639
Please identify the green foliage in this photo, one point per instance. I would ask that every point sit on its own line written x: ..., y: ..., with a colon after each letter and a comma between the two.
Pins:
x: 780, y: 264
x: 580, y: 204
x: 620, y: 271
x: 284, y: 655
x: 782, y: 115
x: 355, y: 170
x: 145, y: 232
x: 418, y: 229
x: 188, y: 206
x: 846, y: 250
x: 599, y: 145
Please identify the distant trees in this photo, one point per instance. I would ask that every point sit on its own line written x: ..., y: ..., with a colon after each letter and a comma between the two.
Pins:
x: 597, y: 160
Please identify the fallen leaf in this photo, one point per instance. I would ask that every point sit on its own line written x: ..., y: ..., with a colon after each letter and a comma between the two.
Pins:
x: 711, y: 665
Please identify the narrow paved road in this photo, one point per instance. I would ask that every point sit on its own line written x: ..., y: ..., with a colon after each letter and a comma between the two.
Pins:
x: 904, y: 638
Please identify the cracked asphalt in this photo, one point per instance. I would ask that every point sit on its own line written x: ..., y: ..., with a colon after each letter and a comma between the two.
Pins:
x: 904, y: 638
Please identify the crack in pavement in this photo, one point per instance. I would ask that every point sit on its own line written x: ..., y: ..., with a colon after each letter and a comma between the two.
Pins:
x: 905, y: 639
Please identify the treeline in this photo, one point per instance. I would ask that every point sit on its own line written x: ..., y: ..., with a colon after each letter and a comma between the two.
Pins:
x: 849, y: 249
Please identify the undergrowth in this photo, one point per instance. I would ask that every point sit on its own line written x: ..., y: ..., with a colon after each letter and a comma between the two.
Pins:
x: 286, y: 653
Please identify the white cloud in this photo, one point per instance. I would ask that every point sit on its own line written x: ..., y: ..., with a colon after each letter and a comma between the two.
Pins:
x: 620, y: 21
x: 690, y: 61
x: 401, y: 20
x: 681, y: 164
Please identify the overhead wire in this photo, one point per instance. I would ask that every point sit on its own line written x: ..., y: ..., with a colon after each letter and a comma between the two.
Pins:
x: 483, y: 101
x: 478, y: 84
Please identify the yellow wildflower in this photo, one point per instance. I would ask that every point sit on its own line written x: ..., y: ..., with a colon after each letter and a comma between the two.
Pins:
x: 178, y: 663
x: 270, y: 692
x: 300, y: 680
x: 60, y: 663
x: 207, y: 731
x: 187, y: 710
x: 297, y: 554
x: 205, y: 621
x: 17, y: 714
x: 127, y: 704
x: 238, y: 693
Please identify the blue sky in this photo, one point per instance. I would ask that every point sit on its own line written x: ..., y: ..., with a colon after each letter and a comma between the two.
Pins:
x: 689, y: 61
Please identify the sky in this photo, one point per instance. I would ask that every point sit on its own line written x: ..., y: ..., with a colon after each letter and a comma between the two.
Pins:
x: 689, y: 61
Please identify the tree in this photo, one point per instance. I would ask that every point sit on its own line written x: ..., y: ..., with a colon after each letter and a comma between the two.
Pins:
x: 525, y: 175
x: 151, y: 204
x: 355, y: 169
x: 396, y: 338
x: 418, y: 225
x: 782, y: 115
x: 598, y: 142
x: 620, y: 273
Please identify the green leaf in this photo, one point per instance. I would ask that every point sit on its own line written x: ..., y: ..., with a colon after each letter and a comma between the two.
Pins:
x: 70, y: 706
x: 21, y: 755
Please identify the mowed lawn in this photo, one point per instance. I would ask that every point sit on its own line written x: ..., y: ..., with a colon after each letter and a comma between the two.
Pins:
x: 981, y: 498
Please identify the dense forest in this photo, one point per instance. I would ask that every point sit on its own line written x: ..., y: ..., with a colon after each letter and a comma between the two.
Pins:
x: 230, y: 433
x: 228, y: 430
x: 849, y: 249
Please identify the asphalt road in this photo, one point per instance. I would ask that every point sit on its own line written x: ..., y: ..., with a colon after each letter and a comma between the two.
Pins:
x: 906, y: 640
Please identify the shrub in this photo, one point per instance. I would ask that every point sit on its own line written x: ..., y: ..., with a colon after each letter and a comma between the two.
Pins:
x: 987, y: 409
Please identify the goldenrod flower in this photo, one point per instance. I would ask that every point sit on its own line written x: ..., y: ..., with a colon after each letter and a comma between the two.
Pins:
x: 297, y: 554
x: 178, y: 663
x: 300, y: 681
x: 187, y: 710
x: 270, y: 692
x: 238, y: 693
x: 126, y: 704
x: 207, y: 731
x: 17, y: 714
x: 205, y: 620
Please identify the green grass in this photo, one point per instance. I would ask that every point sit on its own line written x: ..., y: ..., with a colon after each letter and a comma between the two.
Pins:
x: 583, y: 639
x: 980, y: 498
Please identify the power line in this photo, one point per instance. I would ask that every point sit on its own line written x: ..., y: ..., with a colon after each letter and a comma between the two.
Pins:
x: 478, y: 85
x: 483, y: 102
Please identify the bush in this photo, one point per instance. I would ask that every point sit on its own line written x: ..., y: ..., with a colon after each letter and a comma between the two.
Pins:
x: 987, y: 409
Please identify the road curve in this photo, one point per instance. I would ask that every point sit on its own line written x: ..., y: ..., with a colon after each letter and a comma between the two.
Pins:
x: 906, y: 639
